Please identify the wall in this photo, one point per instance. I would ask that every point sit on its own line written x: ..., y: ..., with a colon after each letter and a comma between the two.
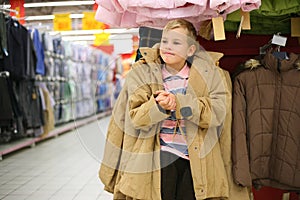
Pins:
x: 237, y: 51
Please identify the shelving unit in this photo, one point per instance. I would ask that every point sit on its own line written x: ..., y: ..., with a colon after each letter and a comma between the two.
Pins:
x: 15, y: 146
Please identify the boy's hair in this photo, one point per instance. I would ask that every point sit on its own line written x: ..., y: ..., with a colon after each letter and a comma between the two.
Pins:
x: 182, y: 23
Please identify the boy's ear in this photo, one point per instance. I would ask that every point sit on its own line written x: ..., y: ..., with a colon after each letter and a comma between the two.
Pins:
x: 191, y: 50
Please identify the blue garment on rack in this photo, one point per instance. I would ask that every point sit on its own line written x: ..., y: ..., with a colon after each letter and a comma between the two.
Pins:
x: 38, y: 46
x: 57, y: 46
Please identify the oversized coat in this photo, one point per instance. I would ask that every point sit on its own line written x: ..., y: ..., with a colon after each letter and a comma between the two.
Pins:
x: 131, y: 164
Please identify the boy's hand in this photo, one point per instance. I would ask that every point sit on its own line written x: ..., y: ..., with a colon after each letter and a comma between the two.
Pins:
x: 165, y: 99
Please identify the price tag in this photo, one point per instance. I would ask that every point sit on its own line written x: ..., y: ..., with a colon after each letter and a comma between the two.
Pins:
x: 246, y: 22
x: 218, y: 26
x: 62, y: 22
x: 279, y: 40
x: 295, y: 27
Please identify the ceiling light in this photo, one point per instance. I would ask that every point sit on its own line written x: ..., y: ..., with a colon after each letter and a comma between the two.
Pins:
x: 97, y: 31
x: 39, y: 17
x: 79, y: 38
x: 58, y: 3
x: 76, y: 16
x: 78, y: 32
x: 50, y: 17
x: 92, y: 37
x: 7, y: 6
x: 121, y: 30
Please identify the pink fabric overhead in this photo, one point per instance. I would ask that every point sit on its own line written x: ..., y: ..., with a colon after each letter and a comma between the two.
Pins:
x: 127, y: 4
x: 248, y: 5
x: 224, y: 6
x: 156, y: 13
x: 190, y: 10
x: 108, y: 12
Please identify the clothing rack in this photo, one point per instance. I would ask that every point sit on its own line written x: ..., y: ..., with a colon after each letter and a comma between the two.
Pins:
x: 38, y: 25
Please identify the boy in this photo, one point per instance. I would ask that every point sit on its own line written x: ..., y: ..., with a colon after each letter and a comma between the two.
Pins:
x: 163, y: 137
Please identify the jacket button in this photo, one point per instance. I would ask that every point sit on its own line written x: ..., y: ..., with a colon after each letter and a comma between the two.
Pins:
x: 186, y: 111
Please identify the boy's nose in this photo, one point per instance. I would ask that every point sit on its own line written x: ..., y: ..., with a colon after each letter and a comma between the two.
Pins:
x: 168, y: 46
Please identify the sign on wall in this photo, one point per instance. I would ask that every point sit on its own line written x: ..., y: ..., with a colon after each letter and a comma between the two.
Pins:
x: 62, y: 22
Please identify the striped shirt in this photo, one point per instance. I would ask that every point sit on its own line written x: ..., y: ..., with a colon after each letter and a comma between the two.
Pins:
x: 172, y: 132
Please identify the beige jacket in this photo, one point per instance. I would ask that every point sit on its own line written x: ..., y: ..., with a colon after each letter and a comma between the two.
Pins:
x: 131, y: 165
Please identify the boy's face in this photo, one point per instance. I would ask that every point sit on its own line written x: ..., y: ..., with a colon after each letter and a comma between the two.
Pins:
x: 174, y: 48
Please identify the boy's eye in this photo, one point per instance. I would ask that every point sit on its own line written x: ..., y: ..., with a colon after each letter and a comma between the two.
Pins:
x: 176, y: 43
x: 164, y: 41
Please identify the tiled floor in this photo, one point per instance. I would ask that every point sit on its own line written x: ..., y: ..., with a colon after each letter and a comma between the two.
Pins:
x: 61, y: 168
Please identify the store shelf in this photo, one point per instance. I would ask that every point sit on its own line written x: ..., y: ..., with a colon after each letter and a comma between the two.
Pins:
x: 14, y: 146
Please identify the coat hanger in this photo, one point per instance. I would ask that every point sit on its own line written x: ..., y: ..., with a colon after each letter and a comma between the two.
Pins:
x: 263, y: 49
x: 274, y: 45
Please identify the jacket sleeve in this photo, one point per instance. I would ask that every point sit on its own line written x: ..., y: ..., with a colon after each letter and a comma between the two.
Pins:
x: 205, y: 106
x: 241, y: 169
x: 143, y: 109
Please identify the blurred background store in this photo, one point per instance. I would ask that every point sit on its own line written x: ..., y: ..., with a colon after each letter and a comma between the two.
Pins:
x: 62, y: 65
x: 67, y: 72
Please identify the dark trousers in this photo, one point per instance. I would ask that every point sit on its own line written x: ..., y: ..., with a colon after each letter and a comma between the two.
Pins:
x: 176, y: 178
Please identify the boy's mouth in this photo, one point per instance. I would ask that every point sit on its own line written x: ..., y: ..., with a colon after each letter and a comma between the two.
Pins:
x: 168, y: 53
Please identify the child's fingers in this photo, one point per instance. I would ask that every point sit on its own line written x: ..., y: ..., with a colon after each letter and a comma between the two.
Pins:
x: 166, y: 100
x: 171, y: 103
x: 163, y: 92
x: 161, y: 96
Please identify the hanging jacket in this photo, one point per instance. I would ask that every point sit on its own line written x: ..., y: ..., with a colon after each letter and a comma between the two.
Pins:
x: 6, y: 114
x: 15, y: 62
x: 3, y: 37
x: 278, y: 8
x: 260, y: 24
x: 39, y: 50
x: 47, y: 110
x: 131, y: 165
x: 271, y: 17
x: 266, y: 136
x: 21, y: 59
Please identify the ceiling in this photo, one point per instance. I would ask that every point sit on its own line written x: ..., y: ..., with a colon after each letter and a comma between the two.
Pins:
x: 51, y: 10
x: 76, y: 33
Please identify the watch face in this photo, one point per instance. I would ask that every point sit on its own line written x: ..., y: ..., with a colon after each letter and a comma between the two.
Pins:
x: 186, y: 111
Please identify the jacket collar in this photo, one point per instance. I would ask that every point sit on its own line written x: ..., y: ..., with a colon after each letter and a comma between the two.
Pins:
x: 152, y: 54
x: 269, y: 61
